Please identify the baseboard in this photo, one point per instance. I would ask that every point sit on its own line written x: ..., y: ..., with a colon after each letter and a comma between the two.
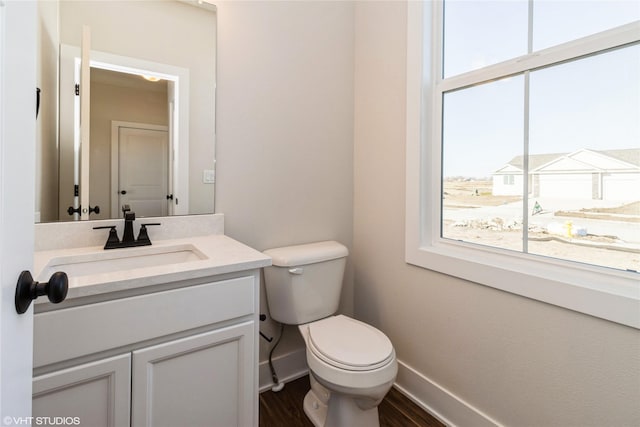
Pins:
x: 289, y: 367
x: 430, y: 396
x: 439, y: 402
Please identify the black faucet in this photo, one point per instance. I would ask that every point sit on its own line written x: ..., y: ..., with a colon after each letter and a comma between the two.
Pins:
x: 128, y: 241
x: 129, y: 217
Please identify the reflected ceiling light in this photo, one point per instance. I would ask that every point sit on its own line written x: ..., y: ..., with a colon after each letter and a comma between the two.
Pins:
x: 152, y: 78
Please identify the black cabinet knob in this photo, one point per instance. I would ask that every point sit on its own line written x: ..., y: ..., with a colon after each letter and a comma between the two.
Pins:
x: 28, y: 289
x: 123, y: 192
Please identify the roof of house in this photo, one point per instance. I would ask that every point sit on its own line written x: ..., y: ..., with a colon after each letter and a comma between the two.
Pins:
x: 628, y: 155
x: 535, y: 160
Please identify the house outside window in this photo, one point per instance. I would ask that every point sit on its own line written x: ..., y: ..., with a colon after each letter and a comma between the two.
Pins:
x: 530, y: 146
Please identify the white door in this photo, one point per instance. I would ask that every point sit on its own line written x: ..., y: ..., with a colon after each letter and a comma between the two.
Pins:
x: 68, y: 157
x: 143, y: 170
x: 17, y: 183
x: 85, y: 122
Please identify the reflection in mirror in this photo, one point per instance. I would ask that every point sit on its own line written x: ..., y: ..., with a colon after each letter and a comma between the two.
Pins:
x: 137, y: 118
x: 140, y: 160
x: 152, y: 144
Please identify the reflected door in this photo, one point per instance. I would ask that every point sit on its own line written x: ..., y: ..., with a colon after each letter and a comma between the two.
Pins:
x: 85, y: 126
x: 143, y: 171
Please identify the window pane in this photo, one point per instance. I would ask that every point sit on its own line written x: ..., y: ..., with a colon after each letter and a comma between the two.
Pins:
x: 560, y: 21
x: 481, y: 33
x: 482, y: 143
x: 585, y: 160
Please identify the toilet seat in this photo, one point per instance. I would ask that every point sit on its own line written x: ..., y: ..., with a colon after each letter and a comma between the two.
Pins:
x: 349, y: 344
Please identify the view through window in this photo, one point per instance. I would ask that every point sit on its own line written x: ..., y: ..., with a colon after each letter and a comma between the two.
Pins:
x: 545, y: 160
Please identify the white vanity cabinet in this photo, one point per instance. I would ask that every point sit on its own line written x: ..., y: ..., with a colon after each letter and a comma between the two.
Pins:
x: 181, y: 356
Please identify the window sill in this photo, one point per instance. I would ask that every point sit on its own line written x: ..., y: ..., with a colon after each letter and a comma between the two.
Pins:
x: 611, y: 295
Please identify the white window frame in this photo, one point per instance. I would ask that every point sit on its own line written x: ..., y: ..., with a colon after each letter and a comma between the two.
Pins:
x: 601, y: 292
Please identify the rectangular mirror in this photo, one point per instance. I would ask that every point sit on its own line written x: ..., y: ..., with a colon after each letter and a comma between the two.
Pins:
x: 150, y: 139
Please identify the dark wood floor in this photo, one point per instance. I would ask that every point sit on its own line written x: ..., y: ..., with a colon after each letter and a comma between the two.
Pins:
x: 284, y: 409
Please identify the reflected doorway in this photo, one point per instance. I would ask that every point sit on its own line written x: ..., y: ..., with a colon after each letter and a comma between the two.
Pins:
x: 142, y: 169
x: 113, y: 71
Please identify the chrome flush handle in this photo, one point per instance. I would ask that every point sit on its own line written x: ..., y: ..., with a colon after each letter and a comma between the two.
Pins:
x: 297, y: 270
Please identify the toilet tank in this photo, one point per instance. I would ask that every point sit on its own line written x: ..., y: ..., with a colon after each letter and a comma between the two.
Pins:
x: 305, y: 281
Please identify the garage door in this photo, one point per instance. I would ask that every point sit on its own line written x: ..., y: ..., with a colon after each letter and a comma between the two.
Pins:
x: 570, y: 186
x: 621, y: 187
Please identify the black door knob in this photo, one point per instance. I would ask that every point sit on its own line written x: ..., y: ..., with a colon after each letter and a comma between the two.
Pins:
x: 123, y: 192
x: 28, y: 289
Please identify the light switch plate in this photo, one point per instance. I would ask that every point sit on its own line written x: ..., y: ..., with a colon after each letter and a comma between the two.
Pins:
x: 208, y: 176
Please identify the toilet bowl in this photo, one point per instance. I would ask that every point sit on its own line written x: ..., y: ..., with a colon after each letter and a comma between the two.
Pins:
x: 352, y: 365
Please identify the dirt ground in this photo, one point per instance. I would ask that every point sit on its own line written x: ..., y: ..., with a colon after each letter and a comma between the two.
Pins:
x: 628, y: 213
x: 473, y: 193
x: 549, y: 247
x: 478, y: 193
x: 588, y: 249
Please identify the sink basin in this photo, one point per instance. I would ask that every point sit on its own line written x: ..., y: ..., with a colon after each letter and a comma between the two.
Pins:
x: 121, y: 260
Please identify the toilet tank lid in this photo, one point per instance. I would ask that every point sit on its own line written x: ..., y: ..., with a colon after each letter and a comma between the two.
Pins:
x: 310, y: 253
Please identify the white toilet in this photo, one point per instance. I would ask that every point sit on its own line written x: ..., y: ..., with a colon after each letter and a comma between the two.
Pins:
x: 352, y: 365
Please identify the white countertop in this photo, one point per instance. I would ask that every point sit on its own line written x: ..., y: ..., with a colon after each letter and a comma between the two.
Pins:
x: 222, y: 255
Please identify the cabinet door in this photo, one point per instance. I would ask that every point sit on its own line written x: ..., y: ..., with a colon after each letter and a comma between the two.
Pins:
x: 203, y: 380
x: 94, y: 394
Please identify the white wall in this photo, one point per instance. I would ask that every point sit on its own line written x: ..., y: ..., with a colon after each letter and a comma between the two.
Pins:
x: 285, y: 128
x: 518, y: 361
x: 499, y: 188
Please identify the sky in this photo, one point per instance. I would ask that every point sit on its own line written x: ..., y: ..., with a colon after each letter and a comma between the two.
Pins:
x: 588, y: 103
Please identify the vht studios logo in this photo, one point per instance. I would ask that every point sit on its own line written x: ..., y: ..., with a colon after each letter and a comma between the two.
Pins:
x: 41, y: 421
